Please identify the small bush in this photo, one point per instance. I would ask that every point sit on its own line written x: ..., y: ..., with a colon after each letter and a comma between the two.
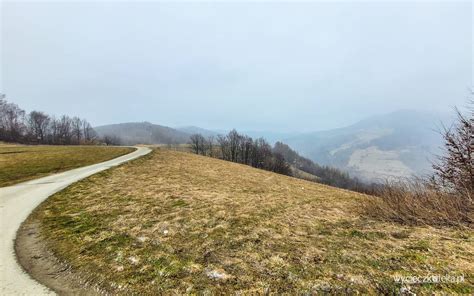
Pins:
x: 417, y: 203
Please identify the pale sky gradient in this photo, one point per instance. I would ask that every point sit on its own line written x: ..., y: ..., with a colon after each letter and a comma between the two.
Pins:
x: 273, y: 66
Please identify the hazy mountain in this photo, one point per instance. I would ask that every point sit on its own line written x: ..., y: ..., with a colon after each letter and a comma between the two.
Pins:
x: 399, y: 144
x: 143, y: 133
x: 271, y: 136
x: 198, y: 130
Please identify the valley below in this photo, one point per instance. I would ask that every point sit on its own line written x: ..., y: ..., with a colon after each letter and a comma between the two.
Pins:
x: 393, y: 146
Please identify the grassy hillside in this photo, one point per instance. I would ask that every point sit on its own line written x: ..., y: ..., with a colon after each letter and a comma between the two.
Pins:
x: 183, y: 223
x: 20, y: 163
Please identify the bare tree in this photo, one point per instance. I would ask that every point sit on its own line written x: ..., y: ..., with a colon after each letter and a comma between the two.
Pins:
x: 12, y: 120
x: 88, y: 132
x: 65, y: 130
x: 234, y: 139
x: 3, y: 117
x: 280, y: 166
x: 53, y: 137
x: 38, y: 124
x: 455, y: 169
x: 246, y: 144
x: 198, y: 144
x: 210, y: 145
x: 261, y: 154
x: 111, y: 140
x: 76, y: 130
x: 224, y: 145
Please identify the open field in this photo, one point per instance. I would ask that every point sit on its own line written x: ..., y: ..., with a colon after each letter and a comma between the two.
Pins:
x: 179, y: 222
x: 20, y: 163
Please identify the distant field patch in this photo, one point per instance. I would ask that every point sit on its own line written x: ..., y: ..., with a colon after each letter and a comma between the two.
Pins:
x: 178, y: 223
x: 21, y: 163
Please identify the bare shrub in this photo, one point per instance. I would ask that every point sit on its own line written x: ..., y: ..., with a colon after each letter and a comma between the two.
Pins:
x: 446, y: 199
x: 111, y: 140
x: 419, y: 203
x: 454, y: 170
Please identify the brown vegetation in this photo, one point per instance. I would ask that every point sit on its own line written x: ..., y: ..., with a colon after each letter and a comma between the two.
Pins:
x: 454, y: 170
x: 180, y: 223
x: 418, y: 203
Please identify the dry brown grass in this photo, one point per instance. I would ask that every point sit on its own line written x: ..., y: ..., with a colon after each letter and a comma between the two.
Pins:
x: 175, y: 222
x: 416, y: 203
x: 20, y: 163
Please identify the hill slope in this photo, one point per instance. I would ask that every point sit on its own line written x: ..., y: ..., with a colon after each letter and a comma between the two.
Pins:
x: 175, y: 222
x: 143, y: 133
x: 197, y: 130
x: 398, y: 144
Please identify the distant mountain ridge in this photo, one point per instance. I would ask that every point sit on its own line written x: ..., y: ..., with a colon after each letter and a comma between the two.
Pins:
x: 133, y: 133
x: 399, y: 144
x: 197, y: 130
x: 271, y: 136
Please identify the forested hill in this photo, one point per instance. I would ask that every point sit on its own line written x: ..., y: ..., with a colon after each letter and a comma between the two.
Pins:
x: 142, y: 133
x: 325, y: 174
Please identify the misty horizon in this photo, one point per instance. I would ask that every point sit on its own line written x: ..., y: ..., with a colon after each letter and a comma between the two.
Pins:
x: 439, y: 118
x: 288, y: 67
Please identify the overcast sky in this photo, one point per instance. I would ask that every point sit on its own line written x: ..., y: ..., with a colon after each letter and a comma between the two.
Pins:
x: 260, y: 66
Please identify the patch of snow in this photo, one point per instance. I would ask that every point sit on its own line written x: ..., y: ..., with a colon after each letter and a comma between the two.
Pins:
x: 217, y: 274
x: 133, y: 260
x: 142, y: 239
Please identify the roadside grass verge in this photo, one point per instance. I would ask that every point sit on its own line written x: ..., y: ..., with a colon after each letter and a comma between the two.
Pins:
x: 19, y: 163
x: 175, y: 222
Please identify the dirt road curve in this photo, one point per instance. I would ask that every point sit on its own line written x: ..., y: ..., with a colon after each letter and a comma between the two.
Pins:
x: 18, y: 201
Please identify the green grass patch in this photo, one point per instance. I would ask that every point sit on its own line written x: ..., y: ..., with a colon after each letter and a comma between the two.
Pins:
x: 23, y: 163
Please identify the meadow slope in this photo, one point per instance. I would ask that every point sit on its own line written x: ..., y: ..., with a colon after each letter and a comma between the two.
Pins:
x: 178, y: 222
x: 19, y: 163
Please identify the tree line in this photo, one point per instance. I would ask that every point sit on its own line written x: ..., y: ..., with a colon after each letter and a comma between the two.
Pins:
x: 40, y: 128
x: 280, y: 158
x: 242, y: 149
x: 326, y: 175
